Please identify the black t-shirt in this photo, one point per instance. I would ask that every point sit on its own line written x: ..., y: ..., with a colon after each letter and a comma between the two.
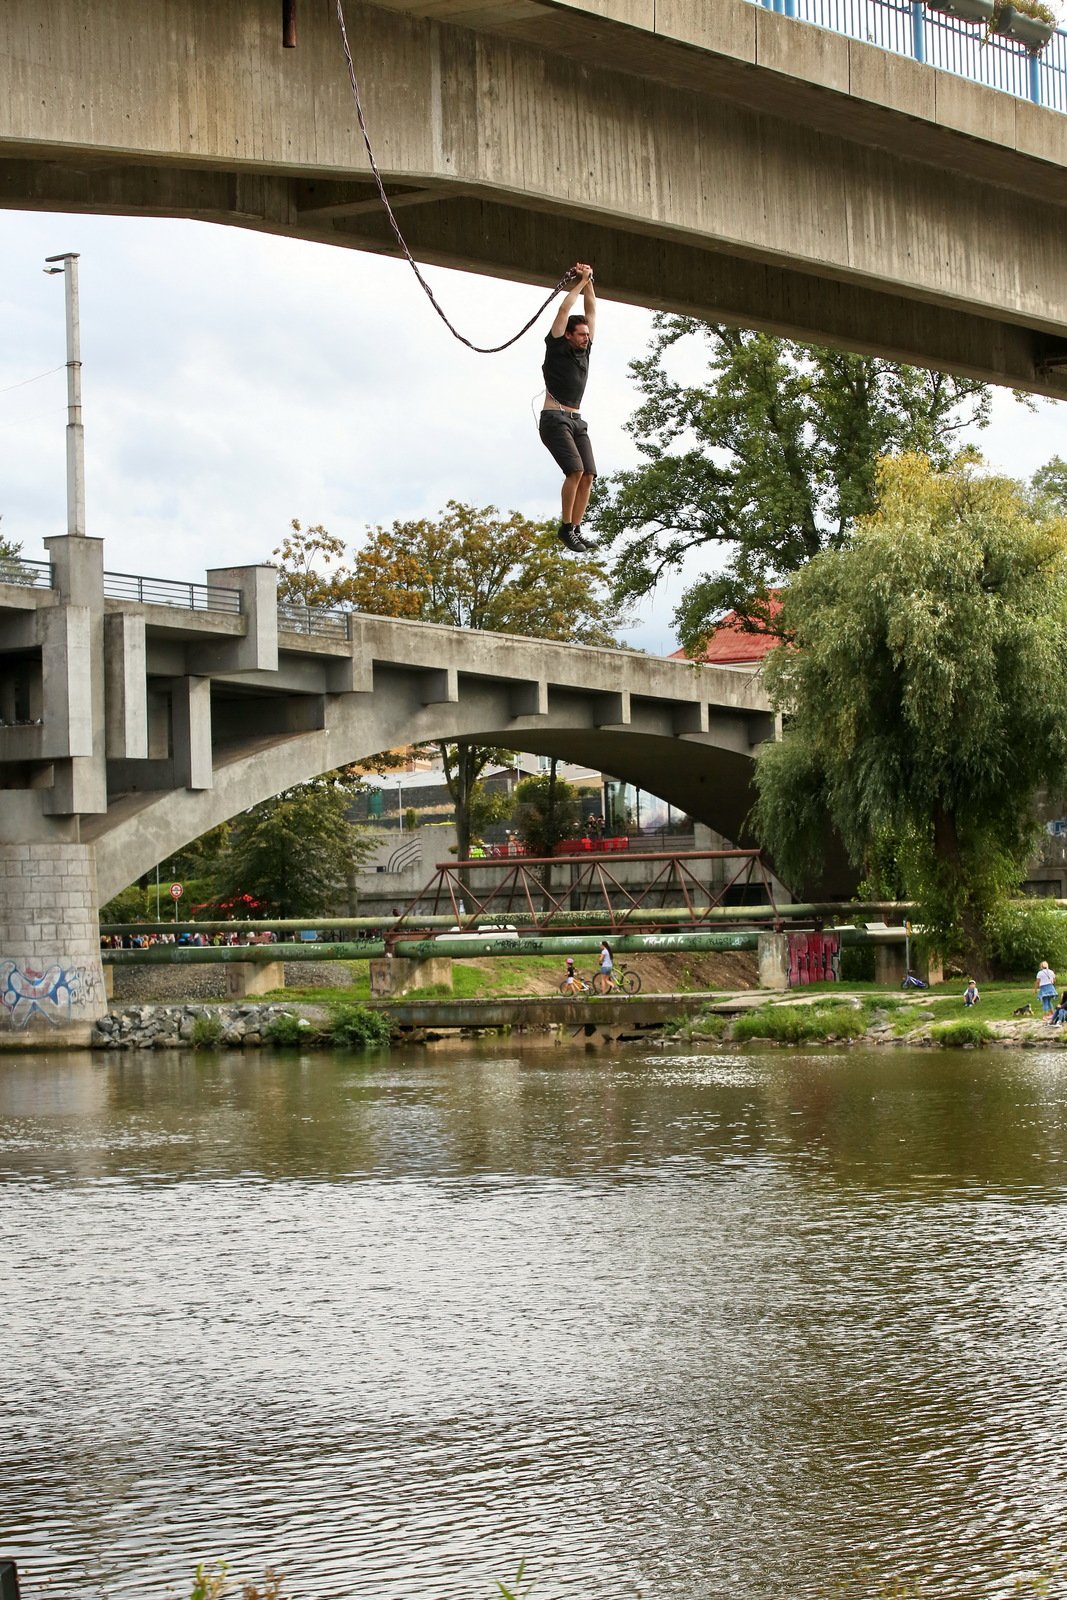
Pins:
x: 566, y: 370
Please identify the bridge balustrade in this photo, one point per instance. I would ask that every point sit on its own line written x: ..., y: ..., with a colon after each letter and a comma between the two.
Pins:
x: 171, y: 592
x: 940, y: 39
x: 27, y: 574
x: 315, y: 621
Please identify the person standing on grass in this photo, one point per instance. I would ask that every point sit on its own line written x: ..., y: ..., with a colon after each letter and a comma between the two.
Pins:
x: 1045, y: 984
x: 563, y: 430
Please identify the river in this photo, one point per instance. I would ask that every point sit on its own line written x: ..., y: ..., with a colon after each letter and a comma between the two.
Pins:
x: 774, y: 1325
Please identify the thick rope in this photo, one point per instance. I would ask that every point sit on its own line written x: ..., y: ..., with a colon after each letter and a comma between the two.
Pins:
x: 482, y: 350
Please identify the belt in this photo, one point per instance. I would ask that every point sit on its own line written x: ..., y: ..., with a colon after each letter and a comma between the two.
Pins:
x: 559, y: 411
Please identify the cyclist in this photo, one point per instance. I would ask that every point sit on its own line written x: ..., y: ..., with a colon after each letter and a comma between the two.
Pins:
x: 606, y: 967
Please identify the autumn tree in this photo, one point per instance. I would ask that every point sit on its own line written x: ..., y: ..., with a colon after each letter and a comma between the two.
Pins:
x: 471, y: 567
x: 762, y: 463
x: 923, y: 685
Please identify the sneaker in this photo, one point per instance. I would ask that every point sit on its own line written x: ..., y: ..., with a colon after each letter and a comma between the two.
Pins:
x: 587, y: 544
x: 570, y: 538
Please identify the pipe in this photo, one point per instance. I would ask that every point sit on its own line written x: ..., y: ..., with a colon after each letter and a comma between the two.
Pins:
x: 809, y: 911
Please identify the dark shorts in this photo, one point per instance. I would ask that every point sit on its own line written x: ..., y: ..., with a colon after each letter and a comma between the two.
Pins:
x: 566, y: 435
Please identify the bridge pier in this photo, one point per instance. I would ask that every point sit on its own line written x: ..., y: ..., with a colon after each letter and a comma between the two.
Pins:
x: 51, y: 976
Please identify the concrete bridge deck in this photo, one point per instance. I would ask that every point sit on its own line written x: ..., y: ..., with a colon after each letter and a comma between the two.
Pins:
x: 718, y: 159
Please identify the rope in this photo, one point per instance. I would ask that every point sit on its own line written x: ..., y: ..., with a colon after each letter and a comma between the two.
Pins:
x: 22, y: 384
x: 479, y: 349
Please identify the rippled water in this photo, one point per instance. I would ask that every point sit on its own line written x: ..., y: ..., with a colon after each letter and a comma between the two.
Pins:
x: 771, y: 1326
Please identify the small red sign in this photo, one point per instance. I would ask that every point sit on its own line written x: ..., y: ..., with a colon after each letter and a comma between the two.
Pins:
x: 176, y: 891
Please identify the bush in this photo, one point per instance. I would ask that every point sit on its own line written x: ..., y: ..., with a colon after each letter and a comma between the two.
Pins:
x: 358, y: 1028
x: 207, y: 1031
x: 966, y: 1030
x: 288, y: 1030
x: 127, y: 906
x: 857, y: 963
x: 796, y: 1024
x: 1025, y: 933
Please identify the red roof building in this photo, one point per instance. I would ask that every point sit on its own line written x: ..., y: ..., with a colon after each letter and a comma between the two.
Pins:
x: 731, y: 645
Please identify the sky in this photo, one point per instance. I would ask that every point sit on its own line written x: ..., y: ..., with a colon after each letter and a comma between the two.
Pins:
x: 233, y: 380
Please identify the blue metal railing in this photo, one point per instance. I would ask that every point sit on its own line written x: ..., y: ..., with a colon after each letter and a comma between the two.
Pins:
x: 27, y: 574
x: 932, y: 36
x: 171, y: 592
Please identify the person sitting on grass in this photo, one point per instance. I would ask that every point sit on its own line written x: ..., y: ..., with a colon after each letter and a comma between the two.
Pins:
x: 971, y: 996
x: 1060, y: 1014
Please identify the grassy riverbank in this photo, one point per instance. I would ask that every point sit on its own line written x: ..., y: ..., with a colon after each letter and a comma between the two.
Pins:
x: 826, y: 1013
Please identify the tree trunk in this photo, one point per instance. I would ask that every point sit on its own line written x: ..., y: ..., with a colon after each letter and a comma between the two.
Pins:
x: 971, y: 921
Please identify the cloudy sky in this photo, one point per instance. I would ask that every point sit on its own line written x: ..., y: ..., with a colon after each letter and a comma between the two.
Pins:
x: 233, y: 381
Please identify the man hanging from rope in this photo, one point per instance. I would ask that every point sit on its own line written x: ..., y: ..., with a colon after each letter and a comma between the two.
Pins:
x: 564, y: 432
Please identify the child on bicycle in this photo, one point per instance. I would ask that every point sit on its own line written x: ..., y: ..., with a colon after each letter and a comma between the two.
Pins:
x: 571, y: 980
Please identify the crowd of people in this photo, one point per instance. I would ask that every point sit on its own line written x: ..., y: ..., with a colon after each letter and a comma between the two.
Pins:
x: 145, y: 941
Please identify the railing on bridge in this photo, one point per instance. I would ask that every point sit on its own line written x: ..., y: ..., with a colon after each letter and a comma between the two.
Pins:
x: 171, y: 592
x: 946, y: 38
x: 27, y: 574
x: 316, y: 621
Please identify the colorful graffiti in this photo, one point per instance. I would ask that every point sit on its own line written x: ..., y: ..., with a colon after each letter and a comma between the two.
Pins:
x: 50, y: 993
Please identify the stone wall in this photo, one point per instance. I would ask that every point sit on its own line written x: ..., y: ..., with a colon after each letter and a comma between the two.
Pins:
x: 176, y: 1027
x: 51, y: 977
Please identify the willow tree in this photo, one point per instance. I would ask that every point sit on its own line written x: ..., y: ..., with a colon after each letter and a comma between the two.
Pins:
x: 924, y: 687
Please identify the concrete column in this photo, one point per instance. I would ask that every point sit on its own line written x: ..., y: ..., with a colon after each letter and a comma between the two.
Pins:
x: 51, y: 976
x: 889, y: 964
x: 126, y: 683
x: 72, y: 674
x: 773, y: 955
x: 253, y: 977
x: 394, y: 975
x: 258, y: 650
x: 192, y: 733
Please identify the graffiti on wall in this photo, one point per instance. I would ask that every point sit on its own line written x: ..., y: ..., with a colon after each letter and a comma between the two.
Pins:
x: 50, y: 993
x: 813, y: 958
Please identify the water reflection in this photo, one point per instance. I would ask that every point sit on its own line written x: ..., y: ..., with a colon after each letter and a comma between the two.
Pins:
x: 683, y: 1323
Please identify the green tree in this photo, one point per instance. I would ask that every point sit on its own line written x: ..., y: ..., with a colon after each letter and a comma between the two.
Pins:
x: 924, y: 683
x: 764, y: 463
x: 294, y: 854
x: 547, y: 811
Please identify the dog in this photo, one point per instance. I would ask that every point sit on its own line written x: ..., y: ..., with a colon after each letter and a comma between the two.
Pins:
x: 1023, y: 1011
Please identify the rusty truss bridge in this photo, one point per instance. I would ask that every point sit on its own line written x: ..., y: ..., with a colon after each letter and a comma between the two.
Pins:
x: 585, y: 891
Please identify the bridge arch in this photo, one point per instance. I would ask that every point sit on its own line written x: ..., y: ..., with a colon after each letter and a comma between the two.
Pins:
x: 707, y: 775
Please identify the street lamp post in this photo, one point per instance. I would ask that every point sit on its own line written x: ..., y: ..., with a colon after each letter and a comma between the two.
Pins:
x: 399, y: 804
x: 75, y: 431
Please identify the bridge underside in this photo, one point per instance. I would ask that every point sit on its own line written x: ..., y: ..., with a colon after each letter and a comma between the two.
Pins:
x: 722, y: 161
x: 699, y: 774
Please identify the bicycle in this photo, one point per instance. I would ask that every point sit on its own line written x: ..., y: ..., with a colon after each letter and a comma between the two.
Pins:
x: 620, y: 980
x: 575, y: 985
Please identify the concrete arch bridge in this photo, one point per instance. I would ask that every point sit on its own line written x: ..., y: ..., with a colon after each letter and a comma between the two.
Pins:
x: 138, y: 714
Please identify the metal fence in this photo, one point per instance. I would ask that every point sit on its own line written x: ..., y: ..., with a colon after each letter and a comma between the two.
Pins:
x: 313, y: 620
x: 27, y: 574
x: 171, y: 592
x: 940, y: 39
